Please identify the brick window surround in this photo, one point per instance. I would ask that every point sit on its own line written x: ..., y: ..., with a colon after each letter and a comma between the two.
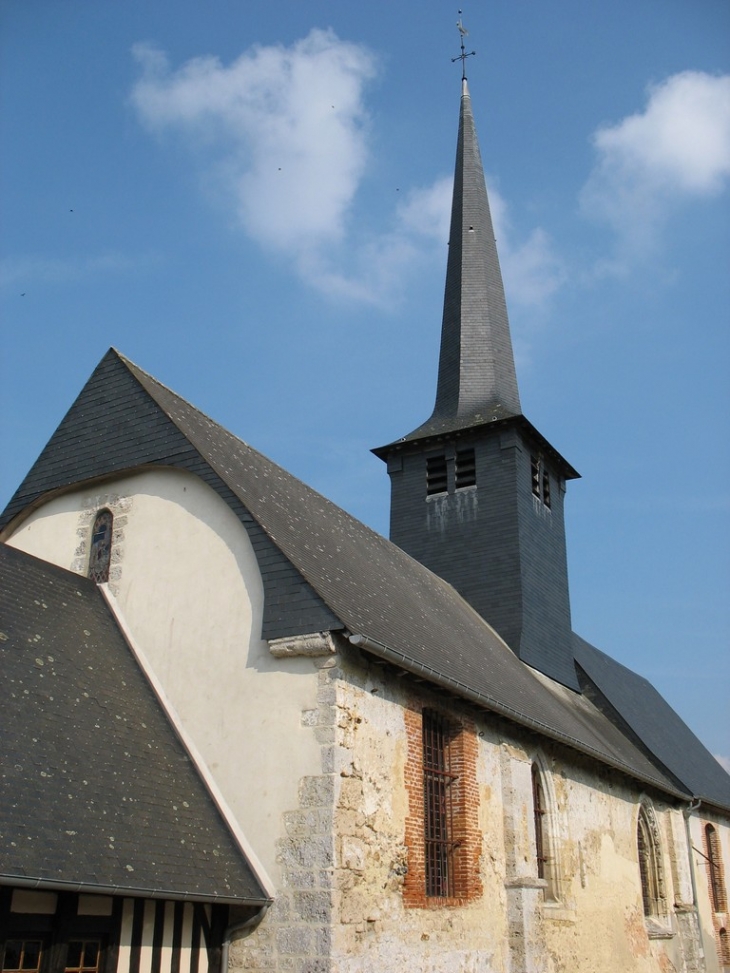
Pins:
x: 715, y: 871
x: 422, y: 887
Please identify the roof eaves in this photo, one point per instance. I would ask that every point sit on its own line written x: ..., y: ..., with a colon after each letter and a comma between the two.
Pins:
x: 451, y: 430
x: 23, y: 881
x: 489, y: 703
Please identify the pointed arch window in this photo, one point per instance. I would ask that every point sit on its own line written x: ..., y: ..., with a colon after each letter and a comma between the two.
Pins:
x: 100, y: 549
x: 650, y: 868
x: 539, y: 811
x: 715, y: 871
x: 545, y: 844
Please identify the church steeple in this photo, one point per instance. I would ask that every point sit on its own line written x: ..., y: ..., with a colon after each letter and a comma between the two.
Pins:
x: 477, y: 492
x: 476, y: 380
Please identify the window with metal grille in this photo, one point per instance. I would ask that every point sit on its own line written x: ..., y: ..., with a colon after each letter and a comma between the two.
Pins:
x: 715, y: 870
x: 539, y: 811
x: 100, y: 550
x: 436, y: 476
x: 466, y: 468
x: 438, y: 803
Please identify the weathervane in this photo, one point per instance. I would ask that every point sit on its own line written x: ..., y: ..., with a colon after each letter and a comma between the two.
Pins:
x: 464, y: 53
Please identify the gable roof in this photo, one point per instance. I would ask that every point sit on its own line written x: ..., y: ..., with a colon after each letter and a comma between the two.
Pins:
x: 341, y: 575
x: 96, y: 790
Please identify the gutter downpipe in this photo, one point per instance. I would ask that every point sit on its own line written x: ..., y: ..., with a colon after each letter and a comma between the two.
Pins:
x: 686, y: 813
x: 247, y: 925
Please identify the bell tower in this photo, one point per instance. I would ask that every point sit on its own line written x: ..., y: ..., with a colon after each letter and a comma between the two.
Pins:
x: 476, y: 491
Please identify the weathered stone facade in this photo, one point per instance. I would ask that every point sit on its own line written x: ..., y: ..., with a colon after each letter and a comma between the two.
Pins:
x: 345, y: 905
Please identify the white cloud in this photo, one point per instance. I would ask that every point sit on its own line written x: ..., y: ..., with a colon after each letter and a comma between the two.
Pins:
x: 648, y: 163
x: 427, y: 212
x: 420, y: 231
x: 532, y: 270
x: 288, y: 128
x: 284, y: 131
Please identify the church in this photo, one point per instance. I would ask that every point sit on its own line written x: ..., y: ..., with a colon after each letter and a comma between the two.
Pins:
x: 244, y: 732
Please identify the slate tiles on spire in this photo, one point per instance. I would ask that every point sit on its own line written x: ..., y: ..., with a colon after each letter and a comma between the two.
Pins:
x: 477, y: 382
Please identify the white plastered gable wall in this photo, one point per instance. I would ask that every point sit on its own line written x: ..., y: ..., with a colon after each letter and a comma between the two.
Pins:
x: 187, y: 583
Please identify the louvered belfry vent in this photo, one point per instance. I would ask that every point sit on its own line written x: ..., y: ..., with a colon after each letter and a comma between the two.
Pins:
x: 466, y: 468
x: 436, y: 475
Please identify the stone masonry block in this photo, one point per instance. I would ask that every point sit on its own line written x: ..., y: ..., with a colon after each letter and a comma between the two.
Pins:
x: 307, y: 822
x: 313, y: 906
x: 296, y: 940
x: 316, y: 791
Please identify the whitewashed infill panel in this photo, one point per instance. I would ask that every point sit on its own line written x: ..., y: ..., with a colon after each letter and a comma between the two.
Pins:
x: 125, y: 936
x: 167, y: 931
x: 163, y: 938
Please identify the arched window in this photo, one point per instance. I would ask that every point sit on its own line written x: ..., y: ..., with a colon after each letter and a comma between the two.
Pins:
x: 546, y: 860
x: 724, y: 947
x: 650, y: 868
x: 715, y: 874
x: 100, y: 549
x: 538, y: 810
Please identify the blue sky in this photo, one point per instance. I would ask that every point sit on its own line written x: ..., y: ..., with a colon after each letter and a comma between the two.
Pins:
x: 249, y: 200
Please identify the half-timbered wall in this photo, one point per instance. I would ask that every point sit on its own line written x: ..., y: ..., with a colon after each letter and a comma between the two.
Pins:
x: 51, y: 932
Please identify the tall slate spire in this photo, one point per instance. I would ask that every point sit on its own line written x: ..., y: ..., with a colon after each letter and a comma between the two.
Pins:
x: 476, y: 491
x: 477, y: 382
x: 476, y: 366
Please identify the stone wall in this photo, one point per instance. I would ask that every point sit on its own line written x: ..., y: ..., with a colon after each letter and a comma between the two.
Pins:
x: 347, y: 859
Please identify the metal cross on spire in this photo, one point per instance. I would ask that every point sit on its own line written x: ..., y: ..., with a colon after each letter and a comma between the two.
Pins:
x: 464, y: 53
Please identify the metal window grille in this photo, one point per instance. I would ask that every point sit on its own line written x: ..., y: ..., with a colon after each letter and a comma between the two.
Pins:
x: 714, y: 867
x: 438, y: 800
x: 538, y: 806
x: 466, y: 469
x: 436, y: 477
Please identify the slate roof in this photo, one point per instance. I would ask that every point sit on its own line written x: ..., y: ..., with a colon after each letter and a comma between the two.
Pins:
x: 342, y: 574
x: 652, y: 719
x: 96, y: 790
